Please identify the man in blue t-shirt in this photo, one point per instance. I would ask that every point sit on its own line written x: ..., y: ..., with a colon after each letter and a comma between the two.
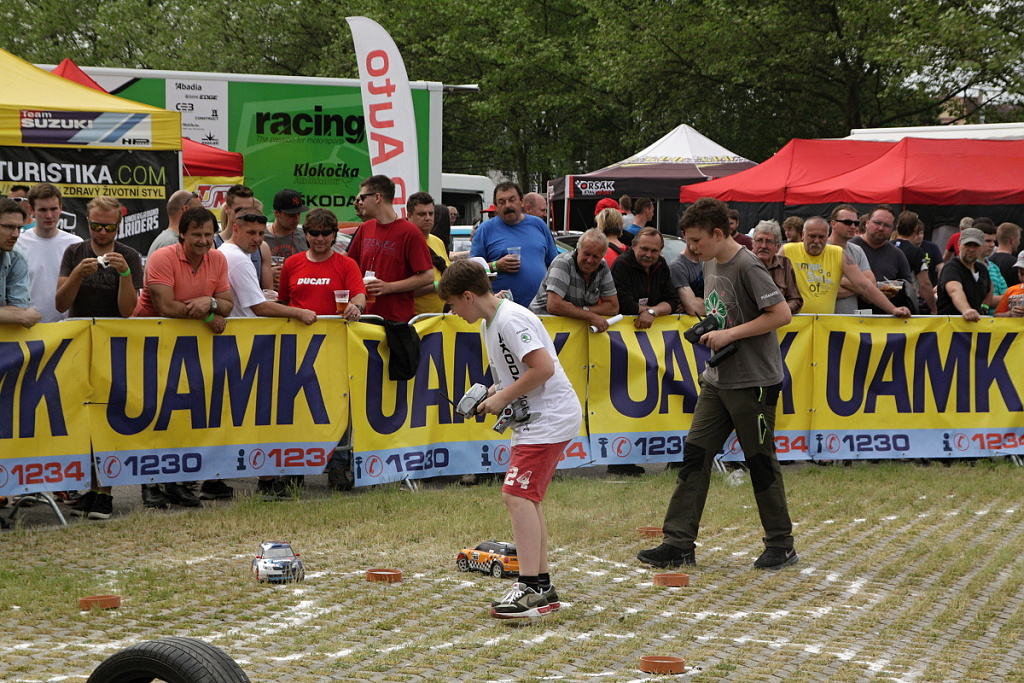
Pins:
x: 498, y: 238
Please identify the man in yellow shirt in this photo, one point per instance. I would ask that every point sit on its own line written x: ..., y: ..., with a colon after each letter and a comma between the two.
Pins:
x: 421, y: 214
x: 820, y: 267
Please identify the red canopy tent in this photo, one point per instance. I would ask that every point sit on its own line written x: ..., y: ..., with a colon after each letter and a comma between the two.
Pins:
x: 198, y: 160
x: 761, y: 192
x: 941, y: 180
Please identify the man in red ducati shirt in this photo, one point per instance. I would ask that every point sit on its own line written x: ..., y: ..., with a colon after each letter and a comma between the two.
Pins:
x: 310, y: 278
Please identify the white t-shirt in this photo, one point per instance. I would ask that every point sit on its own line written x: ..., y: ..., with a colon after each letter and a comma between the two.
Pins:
x: 244, y: 284
x: 514, y: 333
x: 44, y: 256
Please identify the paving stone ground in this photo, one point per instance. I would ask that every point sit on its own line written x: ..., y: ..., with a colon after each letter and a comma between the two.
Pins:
x: 868, y: 601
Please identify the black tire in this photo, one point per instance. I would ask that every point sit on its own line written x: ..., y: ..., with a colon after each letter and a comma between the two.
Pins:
x: 497, y: 570
x: 173, y: 660
x: 462, y: 562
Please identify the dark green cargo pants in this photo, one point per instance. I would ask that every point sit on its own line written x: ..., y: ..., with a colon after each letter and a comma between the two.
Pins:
x: 751, y: 413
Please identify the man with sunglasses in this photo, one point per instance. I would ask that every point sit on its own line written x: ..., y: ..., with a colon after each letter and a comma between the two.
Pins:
x: 390, y: 251
x: 100, y: 278
x: 14, y: 298
x: 19, y: 193
x: 843, y: 228
x: 309, y: 279
x: 250, y: 301
x: 43, y: 247
x: 888, y: 263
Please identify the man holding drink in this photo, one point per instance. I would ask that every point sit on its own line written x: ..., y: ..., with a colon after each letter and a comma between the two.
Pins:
x: 320, y: 278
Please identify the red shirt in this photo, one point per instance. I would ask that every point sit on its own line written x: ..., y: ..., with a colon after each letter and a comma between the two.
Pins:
x: 394, y: 252
x: 169, y: 266
x: 311, y: 284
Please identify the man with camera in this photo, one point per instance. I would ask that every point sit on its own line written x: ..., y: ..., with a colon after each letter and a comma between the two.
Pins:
x: 100, y: 278
x: 739, y: 392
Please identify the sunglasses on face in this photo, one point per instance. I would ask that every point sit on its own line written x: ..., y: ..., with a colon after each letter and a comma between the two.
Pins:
x: 847, y: 221
x: 103, y: 227
x: 319, y: 233
x: 363, y: 196
x: 253, y: 218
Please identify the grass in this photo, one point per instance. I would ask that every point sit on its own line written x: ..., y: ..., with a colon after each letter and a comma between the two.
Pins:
x: 906, y: 574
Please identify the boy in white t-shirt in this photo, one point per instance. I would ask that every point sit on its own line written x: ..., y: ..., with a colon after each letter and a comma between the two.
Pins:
x: 528, y: 377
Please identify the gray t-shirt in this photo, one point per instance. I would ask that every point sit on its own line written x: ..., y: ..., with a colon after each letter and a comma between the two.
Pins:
x: 736, y: 292
x: 288, y: 245
x: 848, y: 305
x: 164, y: 239
x: 686, y: 273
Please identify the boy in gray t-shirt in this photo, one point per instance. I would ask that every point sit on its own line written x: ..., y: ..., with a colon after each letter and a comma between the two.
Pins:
x: 739, y: 394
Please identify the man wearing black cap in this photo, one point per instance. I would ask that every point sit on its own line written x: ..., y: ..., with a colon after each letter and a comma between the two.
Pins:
x: 964, y: 284
x: 285, y: 236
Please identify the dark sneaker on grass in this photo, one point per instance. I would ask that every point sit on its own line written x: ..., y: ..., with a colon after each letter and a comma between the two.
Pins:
x: 520, y: 602
x: 102, y: 506
x: 552, y: 597
x: 666, y: 555
x: 179, y: 494
x: 626, y: 470
x: 153, y: 497
x: 215, y: 489
x: 82, y: 506
x: 776, y: 558
x: 272, y: 489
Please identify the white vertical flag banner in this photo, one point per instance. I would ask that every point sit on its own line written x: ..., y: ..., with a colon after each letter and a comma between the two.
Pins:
x: 387, y: 106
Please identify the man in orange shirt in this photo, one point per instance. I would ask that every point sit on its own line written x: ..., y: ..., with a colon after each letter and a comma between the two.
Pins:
x: 188, y: 280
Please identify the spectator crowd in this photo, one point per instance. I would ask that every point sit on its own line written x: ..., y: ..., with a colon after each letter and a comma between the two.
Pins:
x: 238, y: 262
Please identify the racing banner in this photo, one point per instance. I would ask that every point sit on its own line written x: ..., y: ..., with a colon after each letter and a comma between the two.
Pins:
x: 141, y: 180
x: 644, y: 386
x: 44, y: 387
x: 410, y: 430
x: 175, y: 402
x: 167, y: 400
x: 920, y: 388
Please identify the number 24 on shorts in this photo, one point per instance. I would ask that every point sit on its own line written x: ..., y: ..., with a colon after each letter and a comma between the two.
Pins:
x: 513, y: 476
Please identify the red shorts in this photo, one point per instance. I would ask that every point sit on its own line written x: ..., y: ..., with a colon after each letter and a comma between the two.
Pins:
x: 530, y: 469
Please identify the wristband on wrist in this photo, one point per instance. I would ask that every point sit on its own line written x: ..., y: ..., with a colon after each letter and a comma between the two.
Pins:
x: 208, y: 318
x: 126, y: 273
x: 436, y: 283
x: 494, y: 266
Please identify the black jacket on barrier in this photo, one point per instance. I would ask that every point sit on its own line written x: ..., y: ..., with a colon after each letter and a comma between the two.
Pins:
x: 633, y: 283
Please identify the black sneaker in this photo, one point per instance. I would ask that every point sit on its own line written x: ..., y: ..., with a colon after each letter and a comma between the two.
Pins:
x: 153, y: 497
x: 82, y: 506
x: 552, y: 597
x: 213, y: 489
x: 776, y: 558
x: 102, y: 506
x: 520, y: 602
x: 627, y: 470
x: 272, y: 489
x: 294, y: 480
x: 666, y: 555
x: 179, y: 494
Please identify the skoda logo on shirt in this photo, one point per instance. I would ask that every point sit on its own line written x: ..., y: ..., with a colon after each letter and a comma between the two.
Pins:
x: 525, y: 337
